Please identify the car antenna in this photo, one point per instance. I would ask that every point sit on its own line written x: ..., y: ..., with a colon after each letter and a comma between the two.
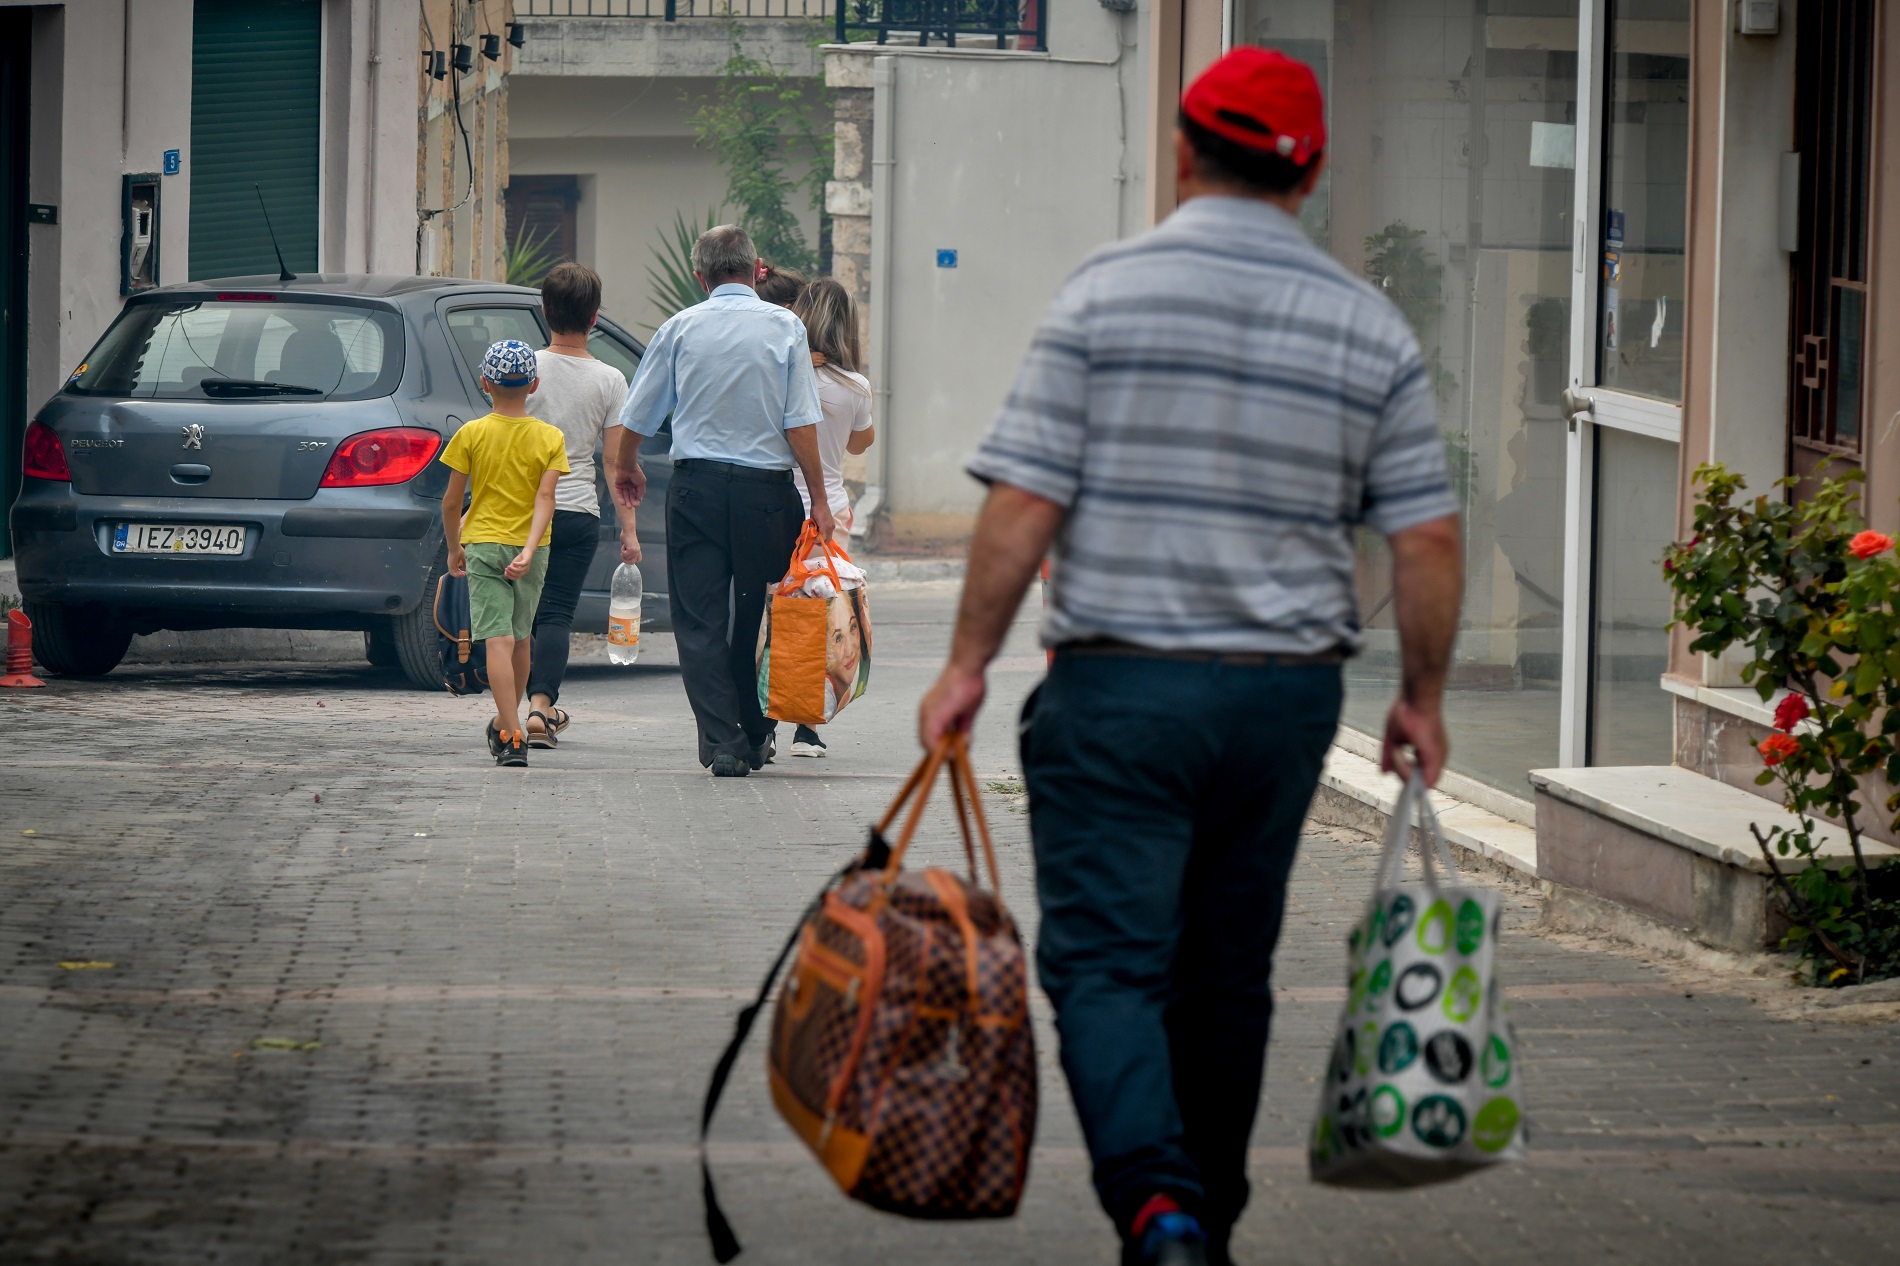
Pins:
x: 283, y: 273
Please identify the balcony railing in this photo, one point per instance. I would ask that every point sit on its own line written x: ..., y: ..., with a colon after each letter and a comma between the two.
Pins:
x: 1005, y: 23
x: 676, y: 10
x: 1001, y: 23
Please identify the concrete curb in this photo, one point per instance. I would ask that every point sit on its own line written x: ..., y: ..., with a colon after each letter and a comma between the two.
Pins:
x: 1353, y: 792
x: 910, y: 571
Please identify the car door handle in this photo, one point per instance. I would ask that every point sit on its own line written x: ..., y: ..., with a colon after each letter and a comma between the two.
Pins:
x: 190, y: 473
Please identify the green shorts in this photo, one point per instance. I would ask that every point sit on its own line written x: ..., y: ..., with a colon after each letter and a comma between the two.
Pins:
x: 498, y: 606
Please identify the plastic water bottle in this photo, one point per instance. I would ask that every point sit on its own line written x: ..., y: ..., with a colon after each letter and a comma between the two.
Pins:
x: 623, y: 615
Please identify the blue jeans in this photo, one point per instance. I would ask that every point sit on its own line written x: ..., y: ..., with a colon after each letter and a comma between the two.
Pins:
x: 1165, y: 802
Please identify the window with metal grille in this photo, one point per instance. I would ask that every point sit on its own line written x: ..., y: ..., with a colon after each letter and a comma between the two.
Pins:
x: 1834, y: 110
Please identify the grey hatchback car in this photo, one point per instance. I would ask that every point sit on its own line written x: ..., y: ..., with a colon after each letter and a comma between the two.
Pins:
x: 250, y: 453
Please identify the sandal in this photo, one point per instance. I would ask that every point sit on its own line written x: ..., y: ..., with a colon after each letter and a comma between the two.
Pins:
x: 550, y: 726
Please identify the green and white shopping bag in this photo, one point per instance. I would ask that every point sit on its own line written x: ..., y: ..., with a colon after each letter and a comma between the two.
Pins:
x: 1423, y: 1083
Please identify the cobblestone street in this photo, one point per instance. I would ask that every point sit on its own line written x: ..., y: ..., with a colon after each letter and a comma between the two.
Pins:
x: 290, y: 972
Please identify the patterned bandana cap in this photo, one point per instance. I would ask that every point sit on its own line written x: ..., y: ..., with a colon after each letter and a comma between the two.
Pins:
x: 509, y: 363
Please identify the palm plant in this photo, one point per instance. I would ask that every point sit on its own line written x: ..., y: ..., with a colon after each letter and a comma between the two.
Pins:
x: 530, y: 257
x: 670, y: 281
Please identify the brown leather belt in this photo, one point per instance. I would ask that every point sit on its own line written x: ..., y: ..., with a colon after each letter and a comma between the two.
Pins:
x: 1240, y: 659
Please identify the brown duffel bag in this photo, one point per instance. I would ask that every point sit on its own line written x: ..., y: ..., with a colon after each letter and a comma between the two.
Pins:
x: 901, y: 1049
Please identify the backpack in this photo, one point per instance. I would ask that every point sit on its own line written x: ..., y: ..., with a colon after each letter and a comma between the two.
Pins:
x: 464, y: 660
x: 901, y: 1050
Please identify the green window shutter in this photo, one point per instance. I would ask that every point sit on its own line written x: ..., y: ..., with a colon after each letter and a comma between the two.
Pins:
x: 256, y: 94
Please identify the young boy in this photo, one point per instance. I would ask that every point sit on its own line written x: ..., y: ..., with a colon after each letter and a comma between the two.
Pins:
x: 512, y: 462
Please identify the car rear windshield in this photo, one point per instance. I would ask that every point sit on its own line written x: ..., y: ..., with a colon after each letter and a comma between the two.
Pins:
x: 249, y: 347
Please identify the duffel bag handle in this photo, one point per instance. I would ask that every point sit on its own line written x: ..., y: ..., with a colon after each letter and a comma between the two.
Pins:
x: 954, y: 749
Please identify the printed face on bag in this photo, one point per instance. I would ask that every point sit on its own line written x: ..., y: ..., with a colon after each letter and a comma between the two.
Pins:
x: 844, y: 647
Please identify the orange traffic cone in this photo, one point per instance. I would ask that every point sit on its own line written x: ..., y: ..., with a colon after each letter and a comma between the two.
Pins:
x: 19, y: 652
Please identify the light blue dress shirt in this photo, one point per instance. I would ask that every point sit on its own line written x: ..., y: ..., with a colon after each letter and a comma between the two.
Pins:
x: 735, y: 372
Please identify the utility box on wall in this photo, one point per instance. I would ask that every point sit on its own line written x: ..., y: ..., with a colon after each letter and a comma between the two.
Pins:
x: 138, y: 242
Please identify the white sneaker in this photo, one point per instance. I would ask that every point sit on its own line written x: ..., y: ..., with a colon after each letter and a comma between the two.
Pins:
x: 805, y: 742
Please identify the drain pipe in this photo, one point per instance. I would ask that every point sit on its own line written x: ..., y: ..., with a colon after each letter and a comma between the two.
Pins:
x: 375, y: 67
x: 876, y: 499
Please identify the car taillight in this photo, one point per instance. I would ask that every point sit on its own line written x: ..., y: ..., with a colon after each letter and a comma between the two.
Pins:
x: 391, y: 456
x: 45, y: 456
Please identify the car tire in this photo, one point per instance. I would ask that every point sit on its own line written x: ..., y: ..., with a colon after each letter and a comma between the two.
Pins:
x: 379, y: 648
x: 414, y: 637
x: 77, y: 641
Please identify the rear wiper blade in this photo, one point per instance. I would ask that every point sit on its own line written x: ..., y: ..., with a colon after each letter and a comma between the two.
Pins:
x: 239, y: 386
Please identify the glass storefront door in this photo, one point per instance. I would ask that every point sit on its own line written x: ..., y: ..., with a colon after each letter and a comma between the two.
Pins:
x: 1645, y: 166
x: 1453, y: 186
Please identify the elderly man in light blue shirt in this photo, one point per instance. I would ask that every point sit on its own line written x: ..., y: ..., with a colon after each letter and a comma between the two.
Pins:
x: 735, y: 374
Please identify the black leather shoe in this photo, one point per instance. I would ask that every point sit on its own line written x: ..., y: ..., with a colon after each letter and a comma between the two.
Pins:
x: 726, y: 765
x: 764, y: 753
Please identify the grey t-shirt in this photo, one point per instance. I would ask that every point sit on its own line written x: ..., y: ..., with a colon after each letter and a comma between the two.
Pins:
x: 1217, y: 403
x: 582, y: 397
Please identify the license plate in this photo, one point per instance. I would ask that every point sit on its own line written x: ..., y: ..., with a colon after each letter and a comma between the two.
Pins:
x: 177, y: 538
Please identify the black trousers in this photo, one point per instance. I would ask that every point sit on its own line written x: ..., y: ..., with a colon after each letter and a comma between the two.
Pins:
x: 570, y: 553
x: 730, y: 532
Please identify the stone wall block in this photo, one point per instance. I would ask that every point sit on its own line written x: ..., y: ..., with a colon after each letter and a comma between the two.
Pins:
x: 851, y: 235
x: 848, y: 197
x: 847, y: 161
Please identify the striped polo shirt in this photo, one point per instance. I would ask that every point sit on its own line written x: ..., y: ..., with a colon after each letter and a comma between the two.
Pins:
x: 1217, y: 403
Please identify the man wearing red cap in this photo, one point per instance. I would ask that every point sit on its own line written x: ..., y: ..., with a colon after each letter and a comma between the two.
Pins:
x: 1206, y: 414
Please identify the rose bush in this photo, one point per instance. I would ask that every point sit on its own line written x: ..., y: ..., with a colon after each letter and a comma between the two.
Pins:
x: 1813, y: 596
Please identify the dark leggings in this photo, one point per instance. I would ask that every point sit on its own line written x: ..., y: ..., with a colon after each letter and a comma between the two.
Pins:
x: 569, y: 554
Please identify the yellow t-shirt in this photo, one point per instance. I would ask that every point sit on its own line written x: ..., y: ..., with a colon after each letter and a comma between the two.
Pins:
x: 504, y: 459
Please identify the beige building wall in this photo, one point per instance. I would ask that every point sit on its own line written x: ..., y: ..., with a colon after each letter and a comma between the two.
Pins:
x: 630, y: 143
x: 111, y: 92
x: 1021, y: 163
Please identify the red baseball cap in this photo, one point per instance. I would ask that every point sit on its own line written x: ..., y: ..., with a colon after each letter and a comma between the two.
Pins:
x: 1262, y: 100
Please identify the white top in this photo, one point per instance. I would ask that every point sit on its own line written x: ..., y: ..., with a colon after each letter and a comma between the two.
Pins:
x: 582, y: 396
x: 847, y: 408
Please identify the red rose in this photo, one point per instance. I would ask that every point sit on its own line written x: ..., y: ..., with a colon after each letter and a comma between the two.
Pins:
x: 1869, y: 543
x: 1790, y: 712
x: 1776, y: 748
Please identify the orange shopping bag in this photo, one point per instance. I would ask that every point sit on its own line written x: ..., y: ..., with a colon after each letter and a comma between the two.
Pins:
x: 814, y: 650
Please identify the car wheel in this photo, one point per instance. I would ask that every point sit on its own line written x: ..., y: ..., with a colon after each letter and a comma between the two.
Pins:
x: 379, y: 648
x: 77, y: 641
x: 414, y: 636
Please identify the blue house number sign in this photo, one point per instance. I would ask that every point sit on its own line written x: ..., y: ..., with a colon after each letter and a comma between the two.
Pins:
x: 946, y: 259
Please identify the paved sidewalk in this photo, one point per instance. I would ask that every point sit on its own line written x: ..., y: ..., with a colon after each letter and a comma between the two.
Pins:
x: 519, y: 982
